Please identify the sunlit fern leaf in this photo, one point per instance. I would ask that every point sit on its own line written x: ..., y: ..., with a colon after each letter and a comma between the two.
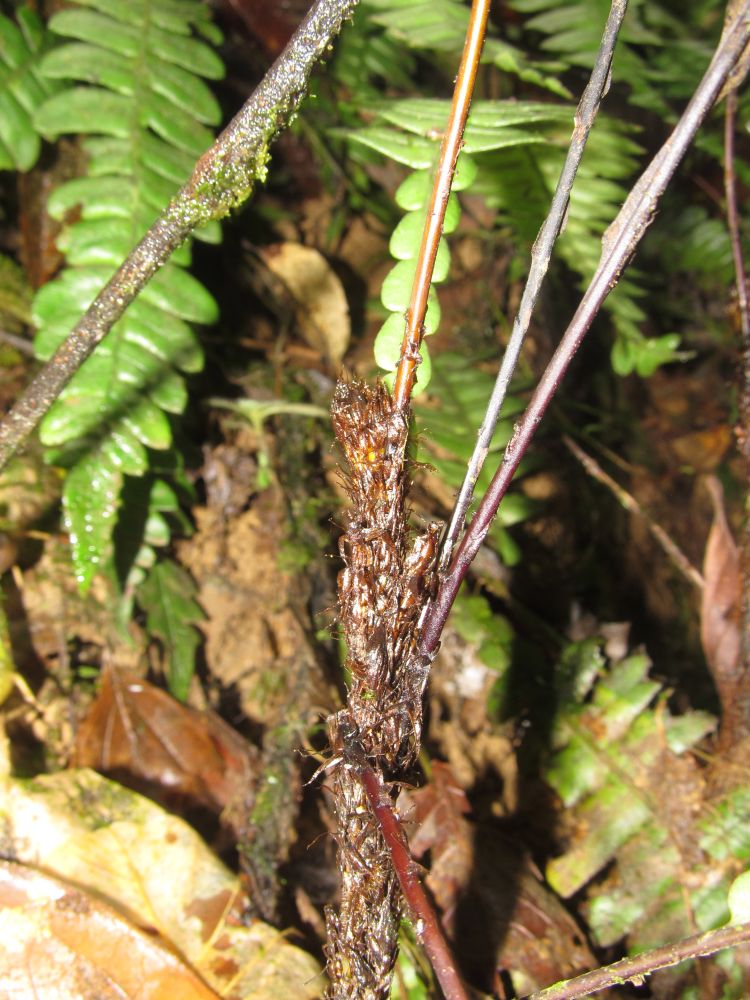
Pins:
x: 518, y: 146
x: 440, y: 25
x: 134, y: 94
x: 22, y: 88
x: 655, y: 853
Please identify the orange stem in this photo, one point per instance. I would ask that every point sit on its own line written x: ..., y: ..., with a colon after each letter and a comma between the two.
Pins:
x: 449, y: 150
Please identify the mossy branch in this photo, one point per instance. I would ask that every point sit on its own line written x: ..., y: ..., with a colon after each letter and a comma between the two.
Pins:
x: 634, y: 969
x: 222, y: 179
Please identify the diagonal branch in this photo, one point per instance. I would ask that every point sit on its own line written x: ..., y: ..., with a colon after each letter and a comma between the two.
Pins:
x: 675, y: 554
x: 618, y: 246
x: 634, y: 969
x: 540, y: 258
x: 223, y: 178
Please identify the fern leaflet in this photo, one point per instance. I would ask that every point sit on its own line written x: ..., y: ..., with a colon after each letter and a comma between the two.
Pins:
x: 22, y: 88
x: 132, y: 86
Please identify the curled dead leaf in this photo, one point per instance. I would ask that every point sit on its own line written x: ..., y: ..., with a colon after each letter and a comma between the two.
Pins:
x: 139, y: 734
x: 720, y: 611
x: 320, y: 304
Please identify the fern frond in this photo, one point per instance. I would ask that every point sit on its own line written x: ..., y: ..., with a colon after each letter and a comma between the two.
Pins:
x: 657, y: 52
x: 440, y: 26
x: 637, y: 808
x: 132, y: 72
x: 22, y: 88
x: 519, y: 183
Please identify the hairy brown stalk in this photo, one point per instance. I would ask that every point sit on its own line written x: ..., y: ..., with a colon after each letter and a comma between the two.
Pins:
x: 222, y: 179
x: 449, y: 150
x: 634, y: 969
x: 386, y: 579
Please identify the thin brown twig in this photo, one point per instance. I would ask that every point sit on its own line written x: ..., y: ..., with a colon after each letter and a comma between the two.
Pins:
x: 222, y: 179
x: 449, y: 150
x: 426, y: 923
x: 634, y: 969
x: 629, y: 502
x: 541, y: 253
x: 618, y: 246
x: 20, y: 343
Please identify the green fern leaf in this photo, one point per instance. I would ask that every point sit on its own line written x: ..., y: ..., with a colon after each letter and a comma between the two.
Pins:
x: 90, y: 503
x: 22, y: 88
x: 168, y: 597
x: 440, y: 26
x: 620, y: 765
x: 134, y: 92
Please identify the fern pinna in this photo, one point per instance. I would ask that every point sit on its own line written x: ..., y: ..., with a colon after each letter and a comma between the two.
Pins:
x: 22, y: 88
x: 653, y: 839
x: 133, y: 88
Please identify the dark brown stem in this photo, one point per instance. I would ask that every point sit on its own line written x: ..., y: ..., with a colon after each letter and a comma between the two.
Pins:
x: 634, y: 969
x: 619, y: 244
x: 449, y: 151
x: 540, y: 258
x: 426, y: 923
x: 222, y: 179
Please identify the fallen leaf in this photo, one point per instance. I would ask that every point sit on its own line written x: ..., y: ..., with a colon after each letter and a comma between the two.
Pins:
x: 703, y: 450
x: 440, y: 809
x: 157, y: 873
x: 321, y: 308
x: 493, y: 901
x: 61, y: 943
x: 720, y: 612
x: 142, y: 736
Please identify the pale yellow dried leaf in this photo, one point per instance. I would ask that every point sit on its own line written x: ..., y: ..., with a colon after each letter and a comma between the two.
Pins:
x: 155, y: 869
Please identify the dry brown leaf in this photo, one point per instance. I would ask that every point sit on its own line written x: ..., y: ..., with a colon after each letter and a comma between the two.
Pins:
x: 139, y: 734
x: 491, y: 897
x: 720, y: 608
x: 440, y: 809
x: 703, y: 450
x: 61, y: 943
x: 158, y: 873
x: 321, y: 308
